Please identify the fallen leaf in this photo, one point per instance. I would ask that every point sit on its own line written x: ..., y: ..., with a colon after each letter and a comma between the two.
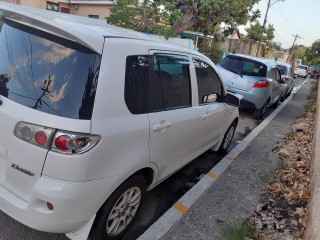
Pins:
x: 301, y: 212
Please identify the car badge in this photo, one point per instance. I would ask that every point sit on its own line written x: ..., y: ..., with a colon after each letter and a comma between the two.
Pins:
x: 20, y: 169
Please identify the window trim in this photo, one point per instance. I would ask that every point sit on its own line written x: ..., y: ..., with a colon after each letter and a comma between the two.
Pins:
x: 223, y: 92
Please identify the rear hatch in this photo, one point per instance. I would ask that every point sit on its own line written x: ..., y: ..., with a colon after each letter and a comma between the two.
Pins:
x: 239, y: 73
x: 45, y: 81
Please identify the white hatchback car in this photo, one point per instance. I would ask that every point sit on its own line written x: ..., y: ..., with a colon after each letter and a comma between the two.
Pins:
x: 93, y: 115
x: 301, y: 70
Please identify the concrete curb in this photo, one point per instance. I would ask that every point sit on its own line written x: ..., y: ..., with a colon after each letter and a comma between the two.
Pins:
x: 175, y: 213
x: 313, y: 230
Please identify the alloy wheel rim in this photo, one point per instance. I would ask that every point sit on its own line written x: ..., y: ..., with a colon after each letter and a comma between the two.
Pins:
x: 228, y: 138
x: 123, y: 211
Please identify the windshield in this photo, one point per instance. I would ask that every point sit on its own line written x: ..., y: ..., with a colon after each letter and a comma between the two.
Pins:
x: 283, y: 70
x: 244, y: 66
x: 46, y: 72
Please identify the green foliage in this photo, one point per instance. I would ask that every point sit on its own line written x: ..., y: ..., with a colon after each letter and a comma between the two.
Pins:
x: 176, y: 16
x: 299, y: 53
x: 311, y: 104
x: 142, y: 16
x: 312, y: 54
x: 254, y: 31
x: 212, y: 50
x: 239, y: 232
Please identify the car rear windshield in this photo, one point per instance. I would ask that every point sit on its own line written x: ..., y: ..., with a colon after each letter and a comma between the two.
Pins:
x: 283, y: 70
x: 46, y: 72
x: 303, y: 67
x: 244, y: 66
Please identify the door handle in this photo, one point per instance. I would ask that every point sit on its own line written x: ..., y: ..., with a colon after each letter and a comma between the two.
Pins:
x: 160, y: 126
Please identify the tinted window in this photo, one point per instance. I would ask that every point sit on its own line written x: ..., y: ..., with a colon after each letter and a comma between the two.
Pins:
x: 136, y: 85
x: 207, y: 79
x: 244, y: 66
x: 283, y: 70
x: 172, y: 82
x: 47, y: 73
x: 274, y: 74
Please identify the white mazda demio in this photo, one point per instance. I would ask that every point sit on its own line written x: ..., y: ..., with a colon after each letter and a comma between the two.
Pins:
x: 93, y: 115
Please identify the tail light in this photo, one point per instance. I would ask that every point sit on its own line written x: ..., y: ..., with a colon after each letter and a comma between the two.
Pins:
x: 261, y: 84
x: 73, y: 143
x: 56, y: 140
x: 34, y: 134
x: 286, y: 78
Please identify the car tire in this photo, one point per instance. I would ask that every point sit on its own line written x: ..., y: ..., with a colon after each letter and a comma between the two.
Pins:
x: 289, y: 93
x: 277, y: 103
x: 259, y: 113
x: 118, y: 213
x: 227, y: 138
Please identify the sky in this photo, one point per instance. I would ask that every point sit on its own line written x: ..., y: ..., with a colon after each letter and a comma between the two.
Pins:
x: 292, y: 17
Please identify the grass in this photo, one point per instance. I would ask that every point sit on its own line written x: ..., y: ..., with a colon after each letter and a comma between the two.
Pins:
x: 311, y: 105
x: 238, y: 232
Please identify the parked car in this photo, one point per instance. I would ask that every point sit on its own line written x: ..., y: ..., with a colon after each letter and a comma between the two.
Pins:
x: 301, y: 71
x: 287, y: 75
x: 313, y: 71
x: 94, y: 115
x: 257, y: 80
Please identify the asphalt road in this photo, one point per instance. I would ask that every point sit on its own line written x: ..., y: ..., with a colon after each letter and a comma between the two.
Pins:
x: 157, y: 201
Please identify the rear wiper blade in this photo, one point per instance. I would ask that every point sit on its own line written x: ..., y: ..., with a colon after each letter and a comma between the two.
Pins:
x: 234, y: 71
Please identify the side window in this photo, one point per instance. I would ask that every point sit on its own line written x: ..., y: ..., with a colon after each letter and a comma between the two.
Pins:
x: 137, y: 83
x: 207, y: 79
x: 171, y: 81
x: 273, y: 74
x: 291, y: 72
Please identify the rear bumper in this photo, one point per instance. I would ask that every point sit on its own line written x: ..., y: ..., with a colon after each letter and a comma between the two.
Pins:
x: 253, y: 99
x: 75, y: 204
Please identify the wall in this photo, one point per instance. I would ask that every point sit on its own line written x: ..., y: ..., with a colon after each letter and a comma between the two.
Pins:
x: 102, y: 10
x: 85, y: 10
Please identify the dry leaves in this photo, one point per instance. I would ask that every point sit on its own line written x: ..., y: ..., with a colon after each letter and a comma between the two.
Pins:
x: 286, y: 207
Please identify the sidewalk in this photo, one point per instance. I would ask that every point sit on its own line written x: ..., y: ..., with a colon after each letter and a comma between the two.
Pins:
x: 230, y: 191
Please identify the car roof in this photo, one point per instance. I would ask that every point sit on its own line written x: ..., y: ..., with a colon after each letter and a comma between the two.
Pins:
x: 267, y: 62
x: 86, y: 31
x: 283, y: 64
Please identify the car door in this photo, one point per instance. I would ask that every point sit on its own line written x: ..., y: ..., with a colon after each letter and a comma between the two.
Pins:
x: 172, y: 117
x: 275, y: 75
x: 212, y: 113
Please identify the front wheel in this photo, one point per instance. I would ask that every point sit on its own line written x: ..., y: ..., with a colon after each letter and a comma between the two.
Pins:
x: 118, y: 213
x: 227, y: 138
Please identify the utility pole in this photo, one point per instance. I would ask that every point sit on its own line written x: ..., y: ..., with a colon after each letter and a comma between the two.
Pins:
x: 294, y: 41
x: 264, y: 23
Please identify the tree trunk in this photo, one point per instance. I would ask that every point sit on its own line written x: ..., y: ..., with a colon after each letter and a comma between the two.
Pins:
x: 189, y: 18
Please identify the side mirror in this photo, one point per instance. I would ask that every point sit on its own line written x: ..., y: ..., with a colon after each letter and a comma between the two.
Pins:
x: 232, y: 100
x: 209, y: 98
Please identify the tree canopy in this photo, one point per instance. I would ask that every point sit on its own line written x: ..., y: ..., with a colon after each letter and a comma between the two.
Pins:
x: 254, y: 30
x: 312, y: 54
x: 173, y: 17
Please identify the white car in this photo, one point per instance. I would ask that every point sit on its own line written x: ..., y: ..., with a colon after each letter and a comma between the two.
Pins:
x: 93, y: 115
x: 301, y: 71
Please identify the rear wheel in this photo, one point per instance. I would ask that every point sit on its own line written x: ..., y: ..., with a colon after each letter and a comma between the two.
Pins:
x: 258, y: 114
x: 277, y: 103
x: 118, y: 213
x: 227, y: 138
